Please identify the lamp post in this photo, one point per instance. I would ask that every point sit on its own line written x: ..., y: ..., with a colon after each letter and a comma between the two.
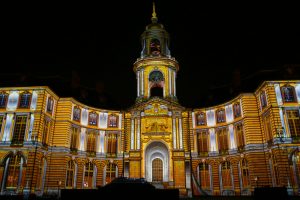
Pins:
x: 281, y: 140
x: 256, y: 181
x: 58, y: 192
x: 34, y: 141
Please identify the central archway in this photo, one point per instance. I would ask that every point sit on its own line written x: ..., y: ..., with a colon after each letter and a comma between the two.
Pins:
x: 157, y: 162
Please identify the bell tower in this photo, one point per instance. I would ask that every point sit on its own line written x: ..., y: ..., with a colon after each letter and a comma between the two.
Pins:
x: 155, y: 69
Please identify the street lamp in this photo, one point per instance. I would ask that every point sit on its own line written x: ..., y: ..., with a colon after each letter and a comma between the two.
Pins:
x: 58, y: 192
x: 256, y: 180
x: 280, y: 136
x: 34, y: 141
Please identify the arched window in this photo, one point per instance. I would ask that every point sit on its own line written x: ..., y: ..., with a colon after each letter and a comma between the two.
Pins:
x: 3, y: 99
x: 155, y: 47
x: 220, y: 115
x: 112, y: 121
x: 88, y: 175
x: 111, y: 143
x: 236, y: 110
x: 245, y: 173
x: 295, y: 168
x: 275, y: 170
x: 70, y: 174
x: 74, y: 138
x: 19, y: 130
x: 201, y: 119
x: 294, y: 122
x: 156, y: 77
x: 222, y: 136
x: 204, y: 175
x: 226, y: 175
x: 50, y: 104
x: 288, y: 94
x: 25, y: 99
x: 93, y: 118
x: 91, y: 144
x: 111, y: 172
x: 202, y: 137
x: 76, y: 113
x: 263, y: 99
x: 13, y: 172
x: 40, y: 173
x: 239, y: 133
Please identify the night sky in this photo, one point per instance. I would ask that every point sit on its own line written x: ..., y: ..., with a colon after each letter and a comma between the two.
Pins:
x: 87, y: 51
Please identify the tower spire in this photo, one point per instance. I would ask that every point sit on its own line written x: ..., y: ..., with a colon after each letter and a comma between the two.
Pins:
x: 154, y: 17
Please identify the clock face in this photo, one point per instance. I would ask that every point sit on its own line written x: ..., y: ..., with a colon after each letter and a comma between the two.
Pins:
x: 156, y: 76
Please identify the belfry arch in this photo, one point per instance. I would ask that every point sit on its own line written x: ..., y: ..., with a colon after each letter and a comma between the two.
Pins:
x: 157, y: 150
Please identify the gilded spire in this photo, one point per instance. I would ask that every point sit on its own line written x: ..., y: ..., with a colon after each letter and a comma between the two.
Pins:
x: 154, y: 17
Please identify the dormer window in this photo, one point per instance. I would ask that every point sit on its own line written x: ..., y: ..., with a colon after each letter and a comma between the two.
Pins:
x: 112, y: 121
x: 93, y: 118
x: 25, y: 99
x: 263, y: 99
x: 221, y: 115
x: 288, y: 93
x: 236, y: 110
x: 3, y: 99
x: 50, y: 105
x: 200, y: 119
x: 76, y: 113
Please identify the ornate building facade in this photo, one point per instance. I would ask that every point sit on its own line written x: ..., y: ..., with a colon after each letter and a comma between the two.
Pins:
x: 48, y: 142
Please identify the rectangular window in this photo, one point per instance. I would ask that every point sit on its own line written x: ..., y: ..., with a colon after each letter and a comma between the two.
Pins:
x: 239, y: 136
x: 91, y: 144
x: 46, y: 131
x: 222, y: 134
x: 294, y: 122
x: 19, y: 130
x: 1, y: 121
x: 202, y: 143
x: 268, y: 127
x: 74, y: 138
x: 111, y: 143
x: 50, y: 105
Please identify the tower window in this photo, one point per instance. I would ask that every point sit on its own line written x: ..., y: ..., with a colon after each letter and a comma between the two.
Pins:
x: 155, y: 47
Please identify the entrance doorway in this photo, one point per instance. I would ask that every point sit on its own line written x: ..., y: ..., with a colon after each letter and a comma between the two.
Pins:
x: 157, y: 170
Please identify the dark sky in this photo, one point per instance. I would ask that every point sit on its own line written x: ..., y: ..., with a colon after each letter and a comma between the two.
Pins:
x: 87, y: 51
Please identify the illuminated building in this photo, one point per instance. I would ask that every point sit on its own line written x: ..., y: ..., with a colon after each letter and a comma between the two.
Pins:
x: 229, y: 149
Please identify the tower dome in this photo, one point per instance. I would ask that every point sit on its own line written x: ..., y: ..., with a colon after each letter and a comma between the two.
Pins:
x: 155, y: 39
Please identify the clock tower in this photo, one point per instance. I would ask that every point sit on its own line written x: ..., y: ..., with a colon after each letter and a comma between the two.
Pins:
x: 155, y: 69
